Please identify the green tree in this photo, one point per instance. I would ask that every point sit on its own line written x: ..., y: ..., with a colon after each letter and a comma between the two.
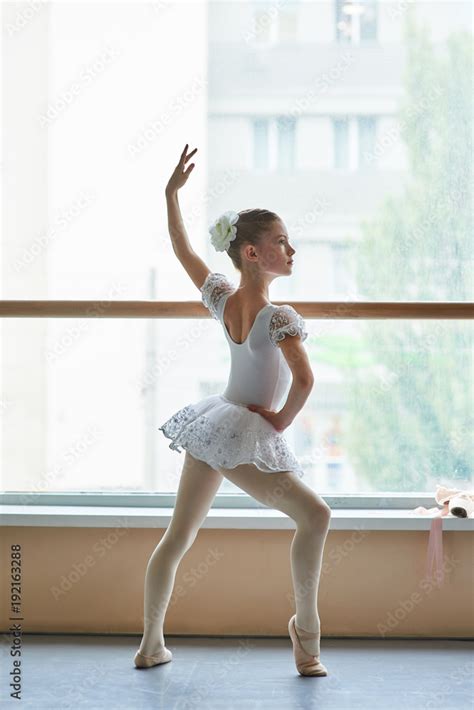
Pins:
x: 411, y: 408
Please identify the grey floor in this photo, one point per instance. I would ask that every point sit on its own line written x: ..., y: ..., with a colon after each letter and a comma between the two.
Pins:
x: 65, y: 671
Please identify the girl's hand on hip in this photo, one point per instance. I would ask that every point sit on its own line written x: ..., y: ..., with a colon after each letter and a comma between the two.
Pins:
x: 179, y: 178
x: 270, y: 415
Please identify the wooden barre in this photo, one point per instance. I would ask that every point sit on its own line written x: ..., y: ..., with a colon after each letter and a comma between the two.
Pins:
x: 195, y: 309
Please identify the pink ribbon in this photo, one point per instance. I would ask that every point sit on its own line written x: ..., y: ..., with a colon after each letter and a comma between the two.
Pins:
x: 434, y: 558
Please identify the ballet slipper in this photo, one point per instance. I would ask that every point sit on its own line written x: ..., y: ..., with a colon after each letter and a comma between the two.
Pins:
x: 462, y: 505
x: 142, y: 661
x: 306, y: 663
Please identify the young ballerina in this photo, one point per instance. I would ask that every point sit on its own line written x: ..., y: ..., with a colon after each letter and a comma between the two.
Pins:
x: 239, y: 434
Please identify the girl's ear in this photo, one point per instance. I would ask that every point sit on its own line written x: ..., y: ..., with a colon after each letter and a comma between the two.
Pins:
x: 249, y: 251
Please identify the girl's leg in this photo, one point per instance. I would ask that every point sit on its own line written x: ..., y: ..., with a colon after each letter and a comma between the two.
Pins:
x: 197, y: 488
x: 285, y: 491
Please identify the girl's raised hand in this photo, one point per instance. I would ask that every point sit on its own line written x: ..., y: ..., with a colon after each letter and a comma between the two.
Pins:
x: 179, y: 178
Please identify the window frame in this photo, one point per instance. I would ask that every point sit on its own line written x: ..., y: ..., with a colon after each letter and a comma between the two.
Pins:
x: 232, y: 501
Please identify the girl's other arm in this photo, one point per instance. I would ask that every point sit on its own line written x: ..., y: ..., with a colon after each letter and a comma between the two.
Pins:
x: 301, y: 386
x: 192, y: 262
x: 296, y: 356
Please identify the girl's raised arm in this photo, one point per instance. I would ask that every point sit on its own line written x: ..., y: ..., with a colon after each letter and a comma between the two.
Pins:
x: 193, y: 264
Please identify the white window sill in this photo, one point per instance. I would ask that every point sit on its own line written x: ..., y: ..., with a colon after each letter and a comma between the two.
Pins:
x: 227, y: 518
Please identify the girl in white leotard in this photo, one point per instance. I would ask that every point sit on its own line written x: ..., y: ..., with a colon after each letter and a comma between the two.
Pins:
x: 238, y: 434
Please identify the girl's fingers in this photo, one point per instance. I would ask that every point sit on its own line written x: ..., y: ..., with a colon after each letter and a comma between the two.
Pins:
x: 190, y: 155
x: 184, y: 157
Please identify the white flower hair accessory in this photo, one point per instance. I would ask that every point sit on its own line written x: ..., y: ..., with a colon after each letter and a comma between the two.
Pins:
x: 223, y: 230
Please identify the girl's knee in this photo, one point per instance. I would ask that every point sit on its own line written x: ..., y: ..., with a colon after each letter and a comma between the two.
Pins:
x: 179, y: 538
x: 318, y: 515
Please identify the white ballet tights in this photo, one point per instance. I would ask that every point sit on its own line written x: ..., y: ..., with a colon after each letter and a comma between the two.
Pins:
x: 281, y: 490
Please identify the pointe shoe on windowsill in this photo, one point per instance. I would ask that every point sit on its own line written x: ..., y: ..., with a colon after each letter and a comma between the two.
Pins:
x: 306, y: 663
x: 142, y: 661
x: 462, y: 505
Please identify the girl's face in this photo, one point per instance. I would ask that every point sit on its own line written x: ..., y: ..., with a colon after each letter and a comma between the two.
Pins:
x: 275, y: 251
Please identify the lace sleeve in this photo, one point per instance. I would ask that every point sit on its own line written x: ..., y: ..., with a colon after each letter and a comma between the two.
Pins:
x: 212, y: 290
x: 285, y: 320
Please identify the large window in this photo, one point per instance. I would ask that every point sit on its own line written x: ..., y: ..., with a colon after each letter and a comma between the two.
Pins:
x: 97, y: 103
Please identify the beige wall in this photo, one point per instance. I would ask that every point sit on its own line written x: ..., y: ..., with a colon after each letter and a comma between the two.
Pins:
x: 238, y: 582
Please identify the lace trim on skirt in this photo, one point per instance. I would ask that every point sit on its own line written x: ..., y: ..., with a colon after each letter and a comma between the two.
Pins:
x: 223, y: 445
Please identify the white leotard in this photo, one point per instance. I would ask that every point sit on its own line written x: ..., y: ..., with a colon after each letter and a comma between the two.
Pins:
x: 259, y: 373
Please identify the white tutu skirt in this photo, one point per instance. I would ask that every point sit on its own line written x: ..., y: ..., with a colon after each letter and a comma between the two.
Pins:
x: 225, y: 433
